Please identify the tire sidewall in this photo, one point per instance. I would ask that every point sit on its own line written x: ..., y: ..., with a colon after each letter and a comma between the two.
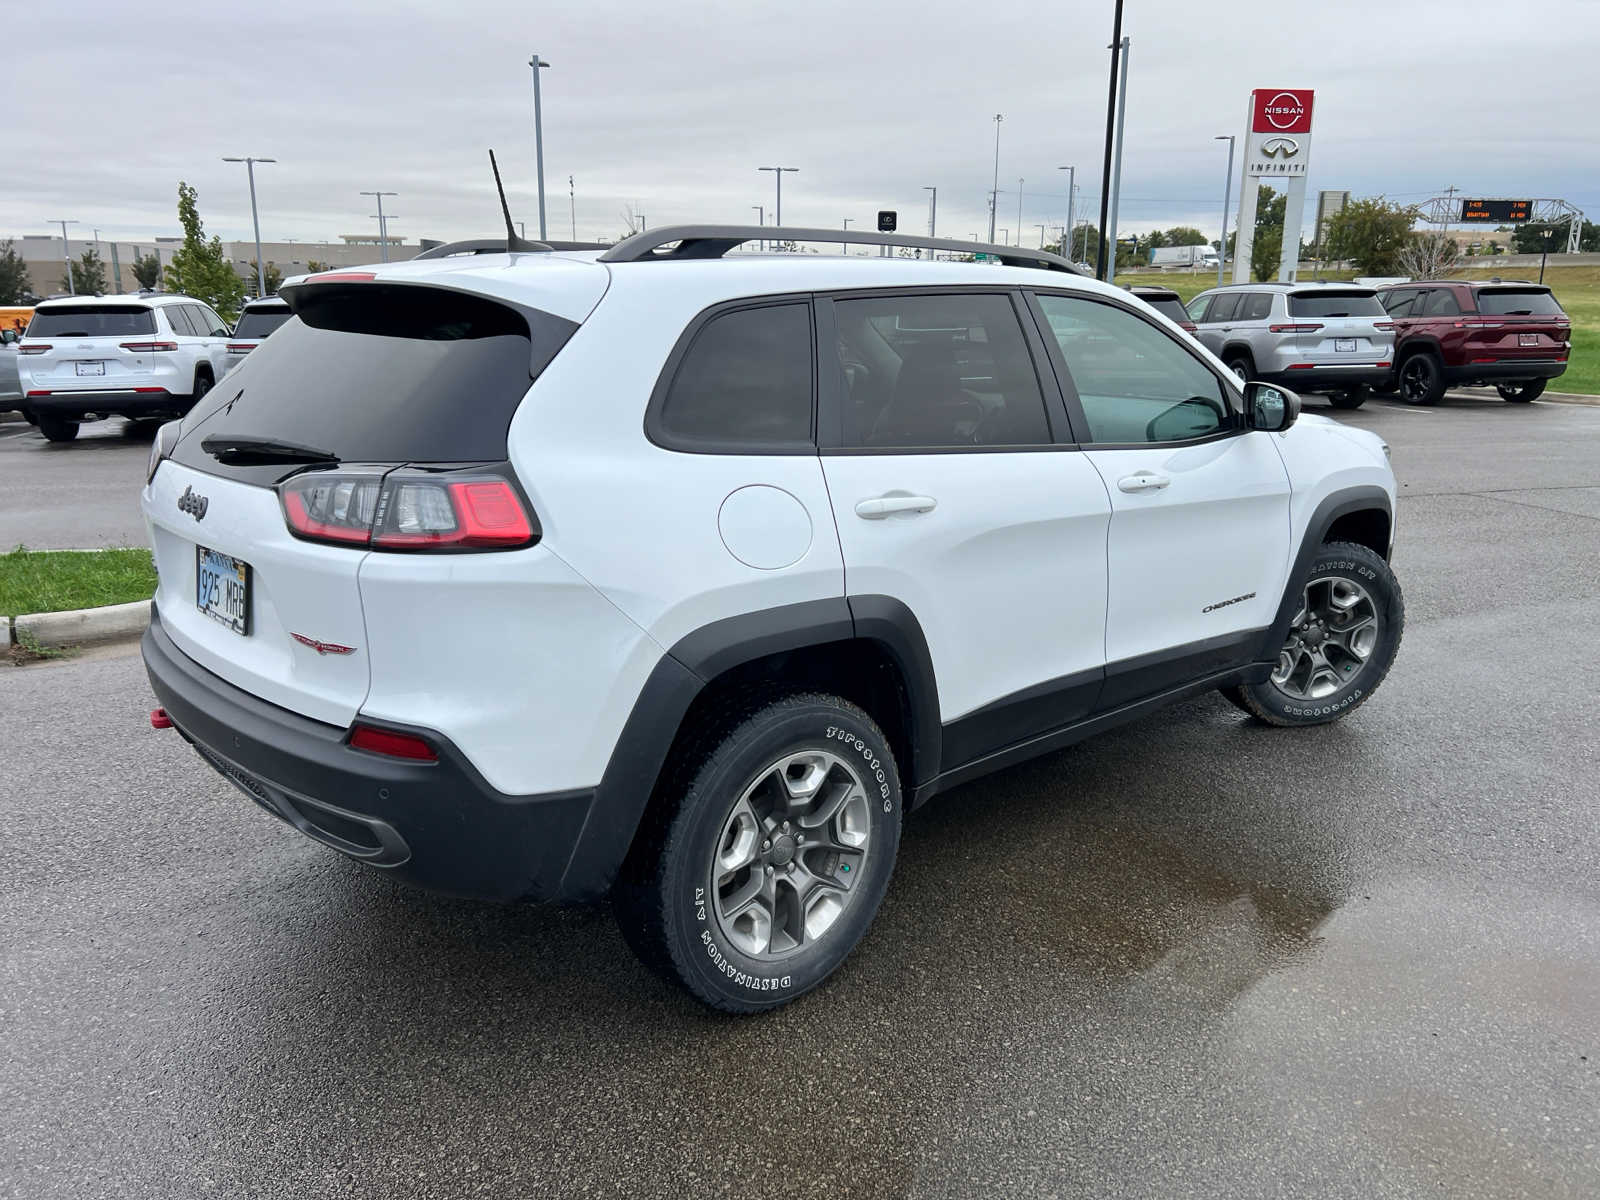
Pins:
x: 698, y: 946
x: 1365, y: 568
x: 1430, y: 367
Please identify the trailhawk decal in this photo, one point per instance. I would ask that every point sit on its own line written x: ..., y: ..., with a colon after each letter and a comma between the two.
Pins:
x: 1225, y: 603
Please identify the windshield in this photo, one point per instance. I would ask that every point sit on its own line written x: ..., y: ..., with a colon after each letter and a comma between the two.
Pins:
x: 258, y: 322
x: 1335, y: 304
x: 1512, y: 302
x: 84, y: 320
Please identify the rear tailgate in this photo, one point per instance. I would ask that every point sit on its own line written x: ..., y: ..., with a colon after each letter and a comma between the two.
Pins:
x: 1517, y: 322
x: 1334, y: 326
x: 80, y: 347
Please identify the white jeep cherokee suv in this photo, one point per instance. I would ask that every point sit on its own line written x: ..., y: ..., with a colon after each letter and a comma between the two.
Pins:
x: 681, y: 575
x: 148, y: 357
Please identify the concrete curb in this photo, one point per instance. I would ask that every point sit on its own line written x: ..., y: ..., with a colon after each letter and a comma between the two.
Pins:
x: 1478, y: 393
x: 82, y: 626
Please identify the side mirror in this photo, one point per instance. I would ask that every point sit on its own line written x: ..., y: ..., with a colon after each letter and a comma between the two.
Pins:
x: 1272, y: 409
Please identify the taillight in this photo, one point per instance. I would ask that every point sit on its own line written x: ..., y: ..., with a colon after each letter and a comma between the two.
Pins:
x: 395, y: 745
x: 342, y: 277
x: 1306, y: 328
x: 34, y: 347
x: 1386, y: 326
x: 148, y: 347
x: 408, y: 509
x: 161, y: 446
x: 1471, y: 324
x: 240, y: 347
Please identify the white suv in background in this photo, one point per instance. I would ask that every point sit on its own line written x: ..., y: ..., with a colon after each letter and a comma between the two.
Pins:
x: 682, y: 575
x: 256, y: 322
x: 147, y: 357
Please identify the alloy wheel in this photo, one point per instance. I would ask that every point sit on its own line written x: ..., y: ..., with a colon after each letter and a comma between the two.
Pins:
x: 1330, y: 640
x: 1416, y: 380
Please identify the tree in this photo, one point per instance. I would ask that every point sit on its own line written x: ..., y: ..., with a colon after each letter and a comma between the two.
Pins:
x: 200, y: 268
x: 1529, y: 239
x: 1185, y: 235
x: 1265, y: 251
x: 274, y: 277
x: 147, y: 271
x: 1370, y: 233
x: 1086, y: 244
x: 1428, y: 256
x: 14, y: 281
x: 88, y: 275
x: 313, y: 266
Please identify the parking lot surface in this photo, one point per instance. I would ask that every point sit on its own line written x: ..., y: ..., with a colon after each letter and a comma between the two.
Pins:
x: 78, y: 495
x: 1194, y: 956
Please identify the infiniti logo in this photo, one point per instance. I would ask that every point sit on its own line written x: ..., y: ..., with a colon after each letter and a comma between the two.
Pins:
x: 1285, y: 146
x: 193, y: 503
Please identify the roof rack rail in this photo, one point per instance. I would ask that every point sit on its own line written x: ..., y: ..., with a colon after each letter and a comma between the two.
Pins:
x: 498, y: 246
x: 714, y: 241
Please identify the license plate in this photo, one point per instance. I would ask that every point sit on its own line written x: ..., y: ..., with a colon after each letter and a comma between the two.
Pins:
x: 1346, y: 345
x: 222, y: 589
x: 1527, y: 339
x: 91, y: 368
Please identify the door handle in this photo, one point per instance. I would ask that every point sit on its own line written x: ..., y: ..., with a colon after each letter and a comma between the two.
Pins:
x: 1143, y: 481
x: 880, y: 507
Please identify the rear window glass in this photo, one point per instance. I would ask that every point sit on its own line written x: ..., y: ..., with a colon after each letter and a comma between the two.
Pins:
x: 1170, y: 307
x: 1508, y: 302
x: 1335, y: 304
x: 100, y: 320
x: 375, y: 373
x: 257, y: 323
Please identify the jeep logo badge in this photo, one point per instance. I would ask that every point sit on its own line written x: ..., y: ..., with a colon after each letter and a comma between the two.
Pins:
x: 193, y: 503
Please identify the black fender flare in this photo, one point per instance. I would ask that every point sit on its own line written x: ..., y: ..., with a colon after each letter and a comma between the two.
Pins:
x: 698, y: 658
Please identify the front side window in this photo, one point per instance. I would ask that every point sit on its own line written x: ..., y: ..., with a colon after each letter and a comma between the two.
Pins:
x: 1197, y: 308
x: 209, y: 324
x: 178, y: 317
x: 937, y: 371
x: 1399, y: 303
x: 745, y: 382
x: 1135, y: 383
x: 1223, y: 307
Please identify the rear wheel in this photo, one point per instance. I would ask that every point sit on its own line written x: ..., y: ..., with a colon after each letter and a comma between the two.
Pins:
x: 202, y: 385
x: 1354, y: 398
x: 1522, y: 391
x: 1421, y: 380
x: 57, y: 430
x: 1240, y: 365
x: 770, y: 852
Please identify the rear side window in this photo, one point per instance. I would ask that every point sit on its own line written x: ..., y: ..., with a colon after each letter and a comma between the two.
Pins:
x: 1335, y: 304
x: 384, y: 373
x: 1441, y: 302
x: 178, y: 317
x: 1502, y: 302
x: 101, y: 320
x: 1257, y: 306
x: 743, y: 384
x: 259, y: 322
x: 1223, y: 307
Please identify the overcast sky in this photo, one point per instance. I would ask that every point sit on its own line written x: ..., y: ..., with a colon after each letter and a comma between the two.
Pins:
x: 671, y: 107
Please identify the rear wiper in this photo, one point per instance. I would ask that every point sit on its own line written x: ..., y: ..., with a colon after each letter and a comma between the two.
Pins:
x: 1520, y: 312
x: 230, y: 448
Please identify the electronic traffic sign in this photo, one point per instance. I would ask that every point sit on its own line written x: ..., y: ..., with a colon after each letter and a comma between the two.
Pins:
x: 1496, y: 211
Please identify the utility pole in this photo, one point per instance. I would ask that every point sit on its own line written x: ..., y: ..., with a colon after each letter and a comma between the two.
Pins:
x: 383, y: 225
x: 1111, y: 117
x: 1041, y: 235
x: 994, y: 195
x: 1072, y: 187
x: 933, y: 209
x: 1450, y: 204
x: 761, y: 222
x: 572, y: 206
x: 1227, y: 199
x: 1544, y: 248
x: 1019, y: 212
x: 538, y: 64
x: 1116, y: 170
x: 66, y: 253
x: 777, y: 174
x: 844, y: 247
x: 250, y: 168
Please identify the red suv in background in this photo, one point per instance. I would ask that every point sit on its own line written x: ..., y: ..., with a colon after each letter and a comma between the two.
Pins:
x: 1452, y: 332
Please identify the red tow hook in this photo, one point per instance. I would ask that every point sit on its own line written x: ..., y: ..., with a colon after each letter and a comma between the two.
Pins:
x: 159, y: 719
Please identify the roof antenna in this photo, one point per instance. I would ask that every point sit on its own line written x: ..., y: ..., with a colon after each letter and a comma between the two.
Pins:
x: 514, y: 244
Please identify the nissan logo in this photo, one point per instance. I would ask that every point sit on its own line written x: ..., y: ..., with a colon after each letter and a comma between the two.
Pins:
x: 1283, y: 110
x: 193, y: 503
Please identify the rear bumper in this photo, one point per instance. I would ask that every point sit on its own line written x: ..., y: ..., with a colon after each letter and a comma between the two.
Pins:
x: 437, y: 825
x: 71, y: 405
x: 1329, y: 378
x: 1506, y: 368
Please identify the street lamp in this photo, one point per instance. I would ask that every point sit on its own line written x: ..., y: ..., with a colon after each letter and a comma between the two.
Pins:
x: 255, y: 218
x: 1072, y: 187
x: 1041, y: 235
x: 1544, y: 248
x: 538, y: 64
x: 1227, y: 199
x: 383, y: 225
x: 844, y: 247
x: 761, y: 221
x: 777, y: 174
x: 1019, y: 212
x: 66, y: 252
x: 1111, y: 119
x: 933, y: 209
x: 994, y: 194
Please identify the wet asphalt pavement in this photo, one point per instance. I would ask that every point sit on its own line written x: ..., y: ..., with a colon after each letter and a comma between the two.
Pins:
x: 1194, y: 956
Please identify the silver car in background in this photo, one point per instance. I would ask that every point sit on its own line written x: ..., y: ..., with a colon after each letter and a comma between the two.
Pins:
x: 10, y: 388
x: 256, y: 321
x: 1311, y: 337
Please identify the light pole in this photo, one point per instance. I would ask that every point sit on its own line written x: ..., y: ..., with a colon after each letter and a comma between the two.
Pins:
x: 1544, y: 248
x: 1041, y: 234
x: 1227, y: 199
x: 994, y: 194
x: 1072, y: 187
x: 66, y: 252
x: 933, y: 209
x: 777, y: 174
x: 255, y: 218
x: 1116, y: 170
x: 761, y: 222
x: 538, y: 64
x: 383, y: 225
x: 1019, y: 212
x: 1005, y: 236
x: 844, y: 247
x: 1111, y: 117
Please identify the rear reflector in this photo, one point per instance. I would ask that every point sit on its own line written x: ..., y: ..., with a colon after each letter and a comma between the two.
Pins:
x: 159, y: 719
x: 395, y: 745
x: 1294, y: 329
x: 148, y: 347
x: 151, y: 390
x: 39, y: 393
x: 1301, y: 366
x: 34, y: 347
x: 1485, y: 360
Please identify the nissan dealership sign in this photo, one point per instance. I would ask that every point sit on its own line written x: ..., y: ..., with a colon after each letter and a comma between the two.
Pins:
x: 1277, y: 151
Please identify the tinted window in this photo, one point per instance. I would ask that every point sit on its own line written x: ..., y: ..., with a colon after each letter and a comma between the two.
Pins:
x: 1504, y: 302
x: 1440, y: 302
x: 207, y: 322
x: 259, y: 322
x: 178, y: 317
x: 938, y: 371
x: 100, y: 320
x: 1326, y: 303
x: 376, y: 373
x: 1223, y: 307
x: 746, y: 381
x: 1136, y: 384
x: 1169, y: 307
x: 1398, y: 304
x: 1257, y: 306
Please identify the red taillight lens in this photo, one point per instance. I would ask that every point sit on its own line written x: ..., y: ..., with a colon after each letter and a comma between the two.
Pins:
x: 342, y: 277
x: 240, y: 347
x: 395, y: 745
x: 34, y: 347
x: 148, y: 347
x: 1307, y: 328
x: 407, y: 509
x: 1386, y: 326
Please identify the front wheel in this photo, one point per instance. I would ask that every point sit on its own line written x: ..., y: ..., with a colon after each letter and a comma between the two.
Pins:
x: 1341, y: 641
x: 1521, y: 392
x: 57, y: 430
x: 769, y: 852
